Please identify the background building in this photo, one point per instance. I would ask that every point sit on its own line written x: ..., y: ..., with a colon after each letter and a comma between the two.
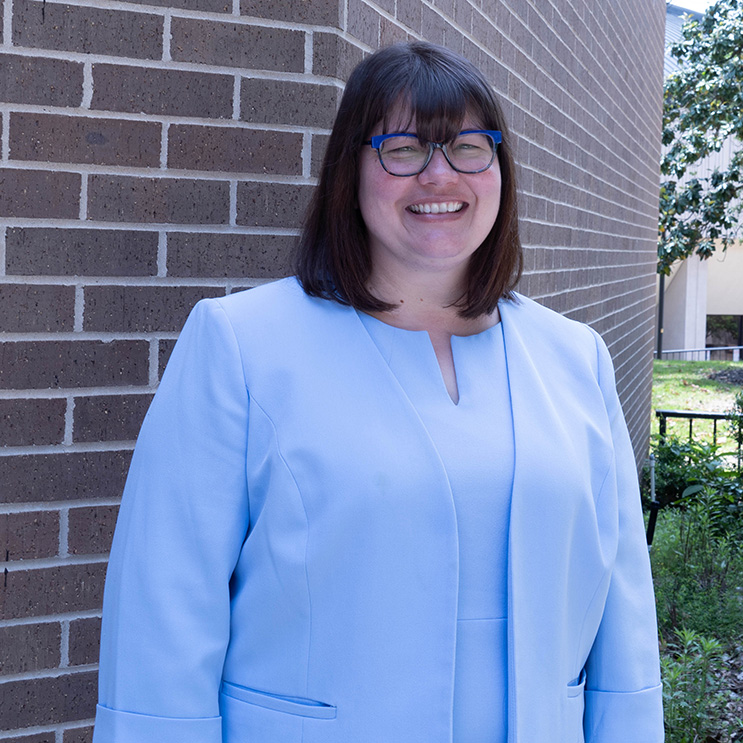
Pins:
x: 153, y: 154
x: 697, y: 288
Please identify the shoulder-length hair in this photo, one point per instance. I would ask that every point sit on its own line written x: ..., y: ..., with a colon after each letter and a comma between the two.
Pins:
x: 437, y: 88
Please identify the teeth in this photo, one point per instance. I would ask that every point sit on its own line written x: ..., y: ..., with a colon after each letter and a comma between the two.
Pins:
x: 447, y: 206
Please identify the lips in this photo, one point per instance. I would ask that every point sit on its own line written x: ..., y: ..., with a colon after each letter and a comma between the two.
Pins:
x: 442, y: 207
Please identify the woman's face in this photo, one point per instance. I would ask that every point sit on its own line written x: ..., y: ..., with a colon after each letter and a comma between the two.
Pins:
x: 402, y: 237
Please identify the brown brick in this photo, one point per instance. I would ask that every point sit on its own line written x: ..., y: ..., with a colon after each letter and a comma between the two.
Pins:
x: 142, y: 309
x: 36, y: 308
x: 316, y: 12
x: 280, y: 102
x: 319, y: 144
x: 85, y: 734
x: 84, y: 641
x: 36, y: 193
x: 391, y: 32
x: 87, y: 29
x: 43, y: 701
x: 199, y: 254
x: 32, y: 422
x: 178, y: 200
x: 271, y: 204
x: 57, y: 477
x: 48, y: 737
x: 29, y: 535
x: 333, y: 56
x: 67, y: 588
x: 47, y: 251
x: 109, y: 417
x: 75, y: 139
x: 363, y: 23
x: 91, y: 529
x: 165, y: 92
x: 237, y: 45
x: 409, y: 13
x: 29, y: 647
x: 54, y: 364
x: 166, y: 348
x: 235, y: 150
x: 40, y: 81
x: 215, y: 6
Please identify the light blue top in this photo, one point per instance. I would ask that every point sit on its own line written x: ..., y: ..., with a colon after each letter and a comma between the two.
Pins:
x: 286, y: 565
x: 474, y: 439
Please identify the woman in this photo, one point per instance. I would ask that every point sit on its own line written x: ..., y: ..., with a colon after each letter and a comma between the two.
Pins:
x: 392, y: 501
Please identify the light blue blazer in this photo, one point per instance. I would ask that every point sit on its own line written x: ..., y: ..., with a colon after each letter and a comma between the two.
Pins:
x: 285, y: 564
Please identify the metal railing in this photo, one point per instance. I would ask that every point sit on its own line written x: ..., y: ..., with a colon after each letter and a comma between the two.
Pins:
x: 691, y: 415
x: 713, y: 353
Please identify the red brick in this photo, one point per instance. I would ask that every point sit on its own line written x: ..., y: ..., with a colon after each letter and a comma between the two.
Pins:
x: 237, y: 45
x: 272, y: 204
x: 55, y: 364
x: 199, y: 254
x: 48, y: 251
x: 142, y: 309
x: 316, y: 12
x: 91, y: 529
x: 163, y: 92
x: 76, y: 139
x: 29, y: 534
x: 32, y: 422
x: 40, y: 81
x: 235, y: 150
x: 176, y: 200
x: 40, y: 478
x: 36, y: 193
x: 281, y: 102
x: 58, y: 590
x: 44, y: 701
x: 29, y: 647
x: 109, y: 417
x: 87, y: 29
x: 36, y: 308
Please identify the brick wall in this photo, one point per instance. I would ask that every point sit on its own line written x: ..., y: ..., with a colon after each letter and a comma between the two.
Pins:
x: 154, y: 154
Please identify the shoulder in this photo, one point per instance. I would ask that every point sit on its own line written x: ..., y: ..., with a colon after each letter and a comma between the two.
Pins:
x: 544, y: 324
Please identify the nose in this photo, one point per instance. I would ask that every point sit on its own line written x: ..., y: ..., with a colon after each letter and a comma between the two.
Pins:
x: 438, y: 170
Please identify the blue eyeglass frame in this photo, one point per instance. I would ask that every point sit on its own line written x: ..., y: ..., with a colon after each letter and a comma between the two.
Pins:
x: 376, y: 144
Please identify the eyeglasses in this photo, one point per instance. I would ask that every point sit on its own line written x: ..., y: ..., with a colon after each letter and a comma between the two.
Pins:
x: 403, y: 154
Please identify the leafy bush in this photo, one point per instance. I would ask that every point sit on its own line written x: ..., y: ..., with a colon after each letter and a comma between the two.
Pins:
x: 693, y: 697
x: 698, y: 572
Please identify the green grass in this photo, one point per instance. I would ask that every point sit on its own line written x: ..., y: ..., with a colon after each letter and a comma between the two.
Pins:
x: 685, y: 385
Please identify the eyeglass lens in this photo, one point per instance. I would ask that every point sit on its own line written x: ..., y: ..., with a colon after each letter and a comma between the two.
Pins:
x: 468, y: 153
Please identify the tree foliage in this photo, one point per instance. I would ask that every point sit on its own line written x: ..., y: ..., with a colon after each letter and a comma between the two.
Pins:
x: 703, y: 107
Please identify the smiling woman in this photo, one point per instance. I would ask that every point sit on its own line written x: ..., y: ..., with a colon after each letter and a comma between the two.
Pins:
x: 388, y: 501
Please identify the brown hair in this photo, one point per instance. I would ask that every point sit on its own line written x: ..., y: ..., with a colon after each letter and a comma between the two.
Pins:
x: 438, y: 87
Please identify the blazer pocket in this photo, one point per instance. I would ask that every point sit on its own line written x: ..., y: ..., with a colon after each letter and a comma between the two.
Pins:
x: 279, y: 703
x: 576, y: 686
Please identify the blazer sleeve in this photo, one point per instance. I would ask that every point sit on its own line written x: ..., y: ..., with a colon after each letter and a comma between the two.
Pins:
x: 623, y: 693
x: 183, y: 519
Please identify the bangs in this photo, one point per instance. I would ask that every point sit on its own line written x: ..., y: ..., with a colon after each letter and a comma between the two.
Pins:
x: 431, y: 98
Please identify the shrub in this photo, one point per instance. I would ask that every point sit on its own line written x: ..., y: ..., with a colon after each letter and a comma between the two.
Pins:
x: 693, y: 698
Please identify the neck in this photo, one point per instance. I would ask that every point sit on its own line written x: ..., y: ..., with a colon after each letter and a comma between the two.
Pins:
x: 426, y: 302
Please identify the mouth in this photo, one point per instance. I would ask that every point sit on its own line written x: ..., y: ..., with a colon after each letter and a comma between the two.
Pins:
x: 443, y: 207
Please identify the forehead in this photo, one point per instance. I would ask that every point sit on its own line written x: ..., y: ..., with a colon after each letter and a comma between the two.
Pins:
x: 401, y: 118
